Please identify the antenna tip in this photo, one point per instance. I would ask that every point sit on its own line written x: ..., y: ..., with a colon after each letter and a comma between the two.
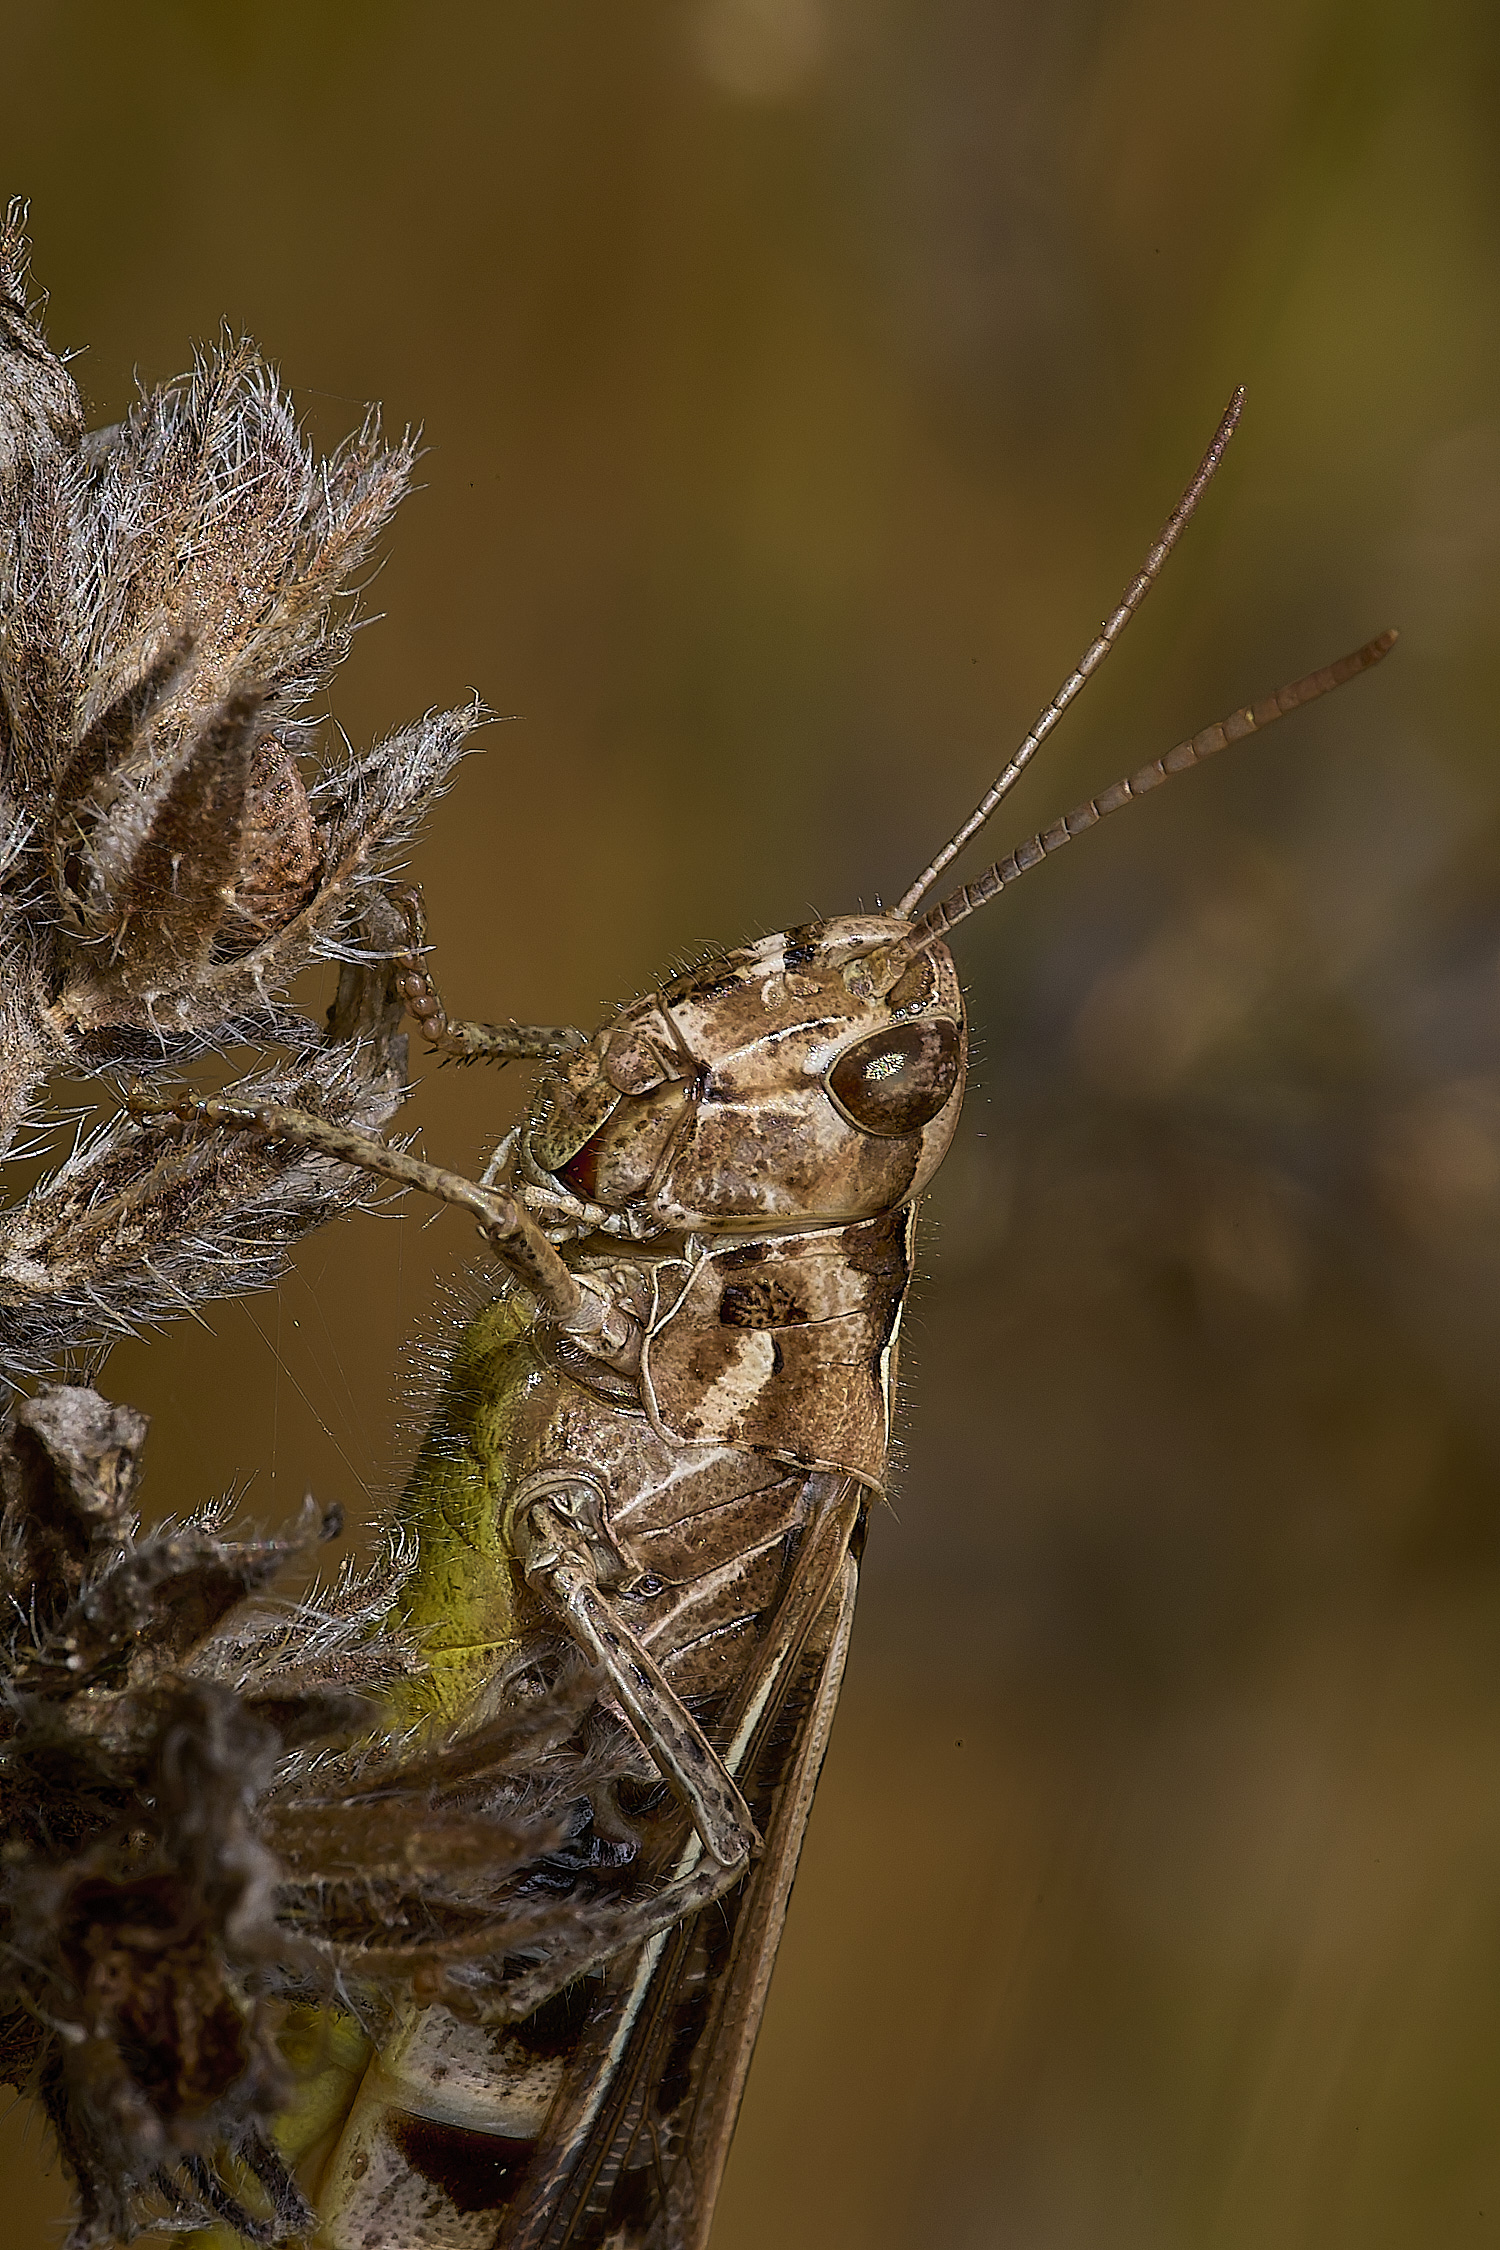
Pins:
x: 1361, y: 659
x: 1229, y: 422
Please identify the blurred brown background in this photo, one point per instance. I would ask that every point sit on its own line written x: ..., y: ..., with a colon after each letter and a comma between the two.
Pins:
x: 802, y: 381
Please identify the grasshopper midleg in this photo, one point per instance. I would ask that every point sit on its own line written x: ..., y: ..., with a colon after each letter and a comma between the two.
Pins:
x: 469, y: 1042
x: 659, y: 1445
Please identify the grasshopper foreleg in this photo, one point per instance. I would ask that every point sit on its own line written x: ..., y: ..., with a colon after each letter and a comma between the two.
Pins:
x: 469, y: 1042
x: 557, y: 1536
x: 589, y: 1311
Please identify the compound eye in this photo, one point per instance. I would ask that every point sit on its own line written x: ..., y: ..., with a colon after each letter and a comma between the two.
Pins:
x: 896, y: 1081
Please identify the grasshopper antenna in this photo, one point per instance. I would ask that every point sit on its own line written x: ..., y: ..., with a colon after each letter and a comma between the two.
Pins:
x: 1089, y: 663
x: 1250, y: 720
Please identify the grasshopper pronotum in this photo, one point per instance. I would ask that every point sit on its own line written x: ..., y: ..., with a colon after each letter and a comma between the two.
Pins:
x: 657, y: 1449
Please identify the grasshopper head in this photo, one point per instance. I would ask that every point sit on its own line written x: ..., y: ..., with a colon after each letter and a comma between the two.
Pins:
x: 776, y: 1088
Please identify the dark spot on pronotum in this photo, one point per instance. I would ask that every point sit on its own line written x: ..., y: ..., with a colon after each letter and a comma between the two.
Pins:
x: 476, y: 2171
x: 760, y: 1303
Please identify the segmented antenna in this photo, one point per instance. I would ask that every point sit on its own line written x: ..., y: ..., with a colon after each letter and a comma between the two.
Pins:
x: 1092, y: 657
x: 956, y: 908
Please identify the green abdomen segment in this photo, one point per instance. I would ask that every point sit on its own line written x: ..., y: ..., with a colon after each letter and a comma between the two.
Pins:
x: 465, y: 1600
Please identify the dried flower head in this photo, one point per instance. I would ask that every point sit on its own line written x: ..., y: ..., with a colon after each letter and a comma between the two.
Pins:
x: 173, y: 597
x: 210, y: 1849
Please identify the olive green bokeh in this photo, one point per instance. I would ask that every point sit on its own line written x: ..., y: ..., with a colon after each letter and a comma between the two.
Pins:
x: 802, y: 382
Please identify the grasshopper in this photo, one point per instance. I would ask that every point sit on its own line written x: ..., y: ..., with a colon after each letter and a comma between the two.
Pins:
x: 657, y: 1451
